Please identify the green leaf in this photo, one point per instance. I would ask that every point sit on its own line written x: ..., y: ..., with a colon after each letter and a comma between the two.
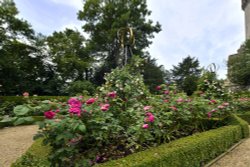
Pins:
x: 22, y: 110
x: 8, y: 119
x: 19, y: 121
x: 82, y: 128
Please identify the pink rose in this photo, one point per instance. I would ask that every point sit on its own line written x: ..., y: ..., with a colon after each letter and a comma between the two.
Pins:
x: 221, y: 107
x: 74, y: 103
x: 75, y: 111
x: 209, y: 114
x: 105, y: 107
x: 214, y: 110
x: 158, y: 88
x: 57, y: 110
x: 179, y: 100
x: 146, y: 108
x: 166, y: 92
x: 166, y: 101
x: 150, y: 117
x: 225, y: 104
x: 212, y: 102
x: 173, y: 107
x: 90, y: 101
x: 49, y: 114
x: 26, y: 94
x: 112, y: 94
x: 145, y: 126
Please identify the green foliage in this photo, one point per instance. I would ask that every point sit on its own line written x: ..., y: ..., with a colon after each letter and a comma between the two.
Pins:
x: 14, y: 121
x: 186, y: 74
x: 209, y: 87
x: 195, y: 150
x: 104, y: 18
x: 242, y: 105
x: 81, y: 87
x: 153, y: 74
x: 239, y: 66
x: 69, y: 55
x: 235, y: 120
x: 8, y: 103
x: 245, y: 116
x: 36, y: 156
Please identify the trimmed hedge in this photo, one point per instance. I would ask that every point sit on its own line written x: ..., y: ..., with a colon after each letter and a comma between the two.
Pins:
x: 235, y: 120
x: 7, y: 103
x: 35, y: 156
x: 245, y: 116
x: 11, y: 122
x: 195, y: 150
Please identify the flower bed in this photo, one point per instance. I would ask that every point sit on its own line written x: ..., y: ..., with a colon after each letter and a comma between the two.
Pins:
x: 195, y: 150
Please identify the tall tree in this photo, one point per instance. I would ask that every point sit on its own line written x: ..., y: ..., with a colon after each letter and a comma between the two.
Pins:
x: 69, y: 55
x: 19, y: 67
x: 103, y: 18
x: 186, y: 74
x: 153, y: 74
x: 239, y: 66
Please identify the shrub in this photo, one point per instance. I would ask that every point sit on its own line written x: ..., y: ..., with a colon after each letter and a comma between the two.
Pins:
x: 245, y: 116
x: 7, y: 103
x: 81, y: 87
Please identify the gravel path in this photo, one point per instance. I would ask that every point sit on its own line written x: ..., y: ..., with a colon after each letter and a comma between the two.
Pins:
x: 14, y: 141
x: 238, y: 157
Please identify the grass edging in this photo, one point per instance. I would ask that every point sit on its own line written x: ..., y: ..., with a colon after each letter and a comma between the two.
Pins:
x: 195, y: 150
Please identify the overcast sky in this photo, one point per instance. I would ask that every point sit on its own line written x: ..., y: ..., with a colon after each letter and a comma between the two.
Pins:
x: 209, y: 30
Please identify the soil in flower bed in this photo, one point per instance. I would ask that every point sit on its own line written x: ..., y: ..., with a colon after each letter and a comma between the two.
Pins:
x: 14, y: 141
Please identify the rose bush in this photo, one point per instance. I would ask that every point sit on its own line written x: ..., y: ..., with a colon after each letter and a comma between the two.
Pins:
x: 121, y: 119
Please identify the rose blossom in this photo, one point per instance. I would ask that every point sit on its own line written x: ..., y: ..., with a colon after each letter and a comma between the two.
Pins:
x: 173, y: 107
x: 209, y: 114
x: 145, y: 126
x: 105, y: 107
x: 166, y: 101
x: 225, y: 104
x: 179, y: 100
x: 221, y: 107
x: 112, y: 94
x: 49, y: 114
x: 158, y: 88
x: 26, y: 94
x: 90, y: 101
x: 74, y: 103
x: 146, y: 108
x: 212, y: 102
x: 75, y: 111
x: 150, y: 117
x: 166, y: 92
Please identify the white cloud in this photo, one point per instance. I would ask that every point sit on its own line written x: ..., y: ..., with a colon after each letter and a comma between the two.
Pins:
x: 210, y: 30
x: 77, y: 4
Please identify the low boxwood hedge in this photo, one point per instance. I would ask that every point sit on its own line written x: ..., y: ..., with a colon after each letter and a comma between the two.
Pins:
x: 245, y: 116
x: 35, y: 156
x: 11, y: 121
x: 195, y: 150
x: 7, y: 103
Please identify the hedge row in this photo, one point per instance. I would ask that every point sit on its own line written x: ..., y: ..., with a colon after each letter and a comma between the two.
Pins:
x: 20, y: 99
x: 11, y: 122
x: 195, y: 150
x: 7, y: 103
x: 245, y: 116
x: 35, y: 156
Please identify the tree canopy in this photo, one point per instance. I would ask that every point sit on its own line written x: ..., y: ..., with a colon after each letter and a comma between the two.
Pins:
x: 186, y: 74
